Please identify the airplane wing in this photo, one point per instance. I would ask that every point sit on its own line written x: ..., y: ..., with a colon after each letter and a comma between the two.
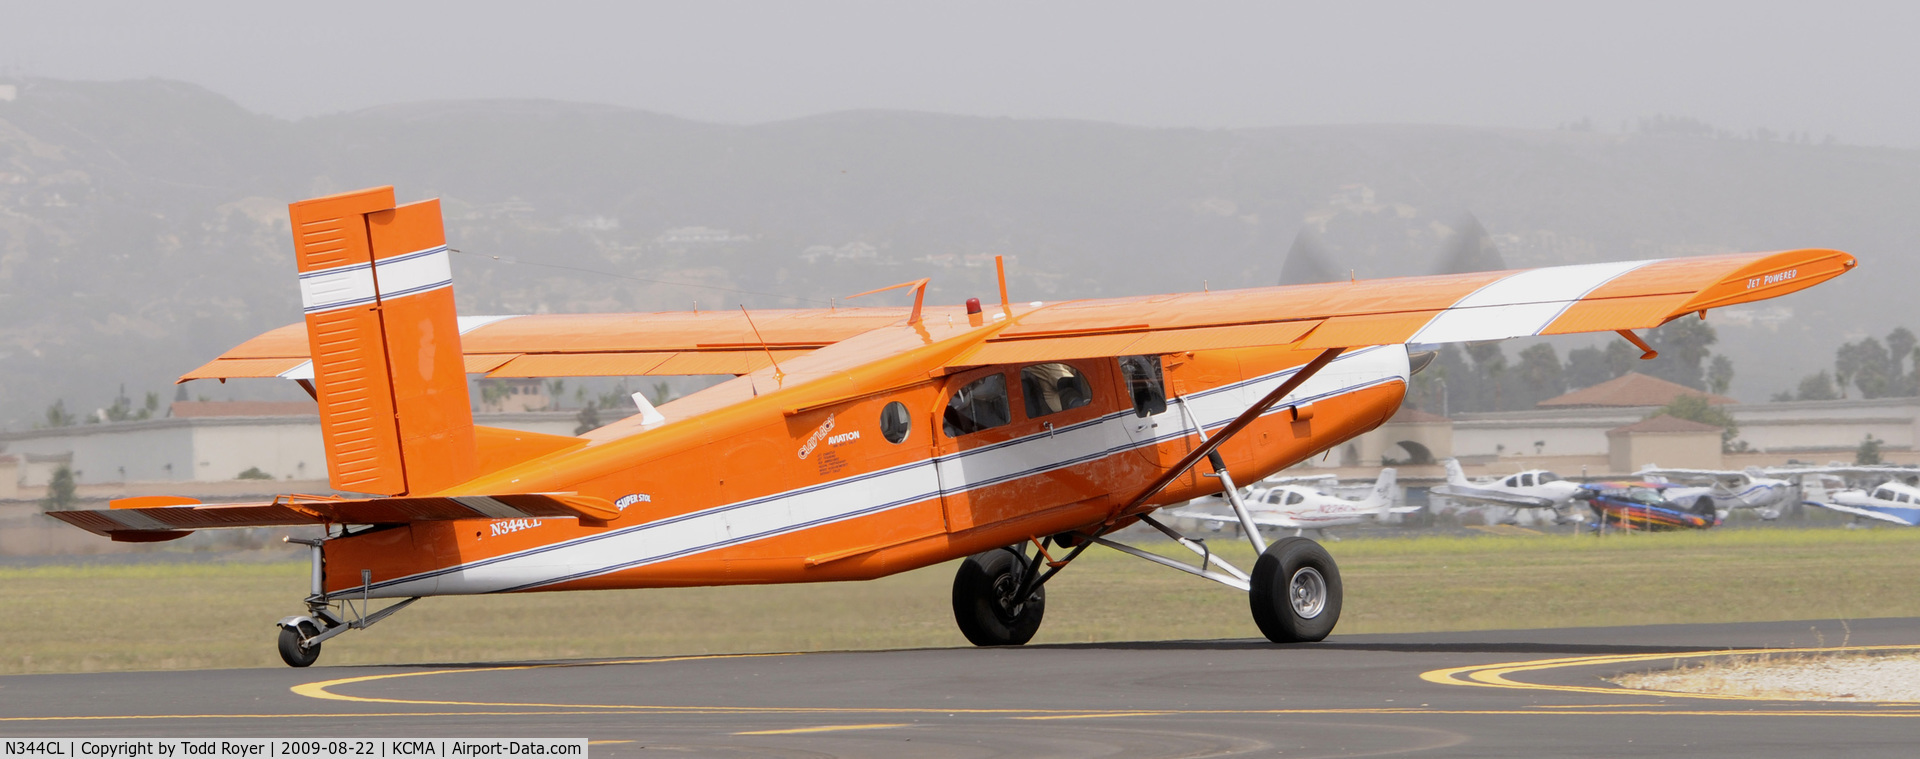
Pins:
x: 593, y: 345
x: 1298, y: 480
x: 1688, y: 472
x: 1447, y: 308
x: 1855, y: 470
x: 1263, y: 521
x: 1412, y: 310
x: 1495, y: 497
x: 165, y: 518
x: 1860, y: 512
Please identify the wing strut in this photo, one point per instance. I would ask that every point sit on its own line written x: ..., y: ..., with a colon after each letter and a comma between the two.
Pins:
x: 1209, y: 445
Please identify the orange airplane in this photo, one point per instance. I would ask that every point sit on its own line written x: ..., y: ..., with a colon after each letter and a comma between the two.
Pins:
x: 854, y: 443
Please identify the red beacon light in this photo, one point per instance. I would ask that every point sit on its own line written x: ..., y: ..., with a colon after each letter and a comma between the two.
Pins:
x: 973, y: 305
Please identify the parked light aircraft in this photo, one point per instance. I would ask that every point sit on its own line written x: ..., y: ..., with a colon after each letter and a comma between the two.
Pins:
x: 1894, y: 501
x: 1531, y: 489
x: 1300, y: 508
x: 855, y: 443
x: 1748, y: 489
x: 1640, y: 505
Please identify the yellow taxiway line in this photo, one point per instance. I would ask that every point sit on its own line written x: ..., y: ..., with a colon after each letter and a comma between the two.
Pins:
x: 1498, y: 675
x: 824, y: 729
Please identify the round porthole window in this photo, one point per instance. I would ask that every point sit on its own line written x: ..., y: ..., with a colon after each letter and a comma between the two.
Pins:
x: 894, y: 422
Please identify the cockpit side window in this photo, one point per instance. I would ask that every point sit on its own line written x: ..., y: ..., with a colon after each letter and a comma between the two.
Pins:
x: 1294, y: 498
x: 981, y: 404
x: 1053, y: 388
x: 1512, y: 482
x: 1146, y: 385
x: 1526, y: 480
x: 1884, y: 494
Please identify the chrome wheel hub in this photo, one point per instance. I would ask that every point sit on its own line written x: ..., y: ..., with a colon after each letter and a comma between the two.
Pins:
x: 1307, y: 592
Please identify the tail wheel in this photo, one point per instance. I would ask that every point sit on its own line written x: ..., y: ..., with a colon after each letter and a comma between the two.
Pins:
x: 1296, y: 591
x: 294, y: 654
x: 984, y: 602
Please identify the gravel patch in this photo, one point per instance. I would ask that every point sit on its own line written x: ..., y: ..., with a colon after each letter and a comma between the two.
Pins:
x: 1799, y: 678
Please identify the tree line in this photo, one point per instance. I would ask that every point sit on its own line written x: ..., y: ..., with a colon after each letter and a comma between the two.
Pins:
x: 1478, y: 377
x: 1868, y: 368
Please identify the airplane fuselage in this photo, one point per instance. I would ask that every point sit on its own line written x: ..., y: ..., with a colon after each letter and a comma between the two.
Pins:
x: 790, y: 475
x: 1893, y: 499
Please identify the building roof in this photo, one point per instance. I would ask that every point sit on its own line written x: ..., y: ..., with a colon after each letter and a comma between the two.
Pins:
x: 204, y: 409
x: 1410, y: 415
x: 1630, y: 389
x: 1665, y: 423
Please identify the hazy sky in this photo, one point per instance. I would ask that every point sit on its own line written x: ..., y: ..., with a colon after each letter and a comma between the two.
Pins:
x: 1826, y: 68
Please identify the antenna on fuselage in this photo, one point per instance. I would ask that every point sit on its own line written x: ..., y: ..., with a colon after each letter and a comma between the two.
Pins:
x: 1000, y: 268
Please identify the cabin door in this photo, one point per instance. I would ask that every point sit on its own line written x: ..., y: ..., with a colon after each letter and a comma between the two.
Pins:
x: 1019, y: 440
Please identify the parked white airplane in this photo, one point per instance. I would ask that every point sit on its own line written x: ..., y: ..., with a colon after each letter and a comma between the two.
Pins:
x: 1300, y: 508
x: 1752, y: 488
x: 1895, y: 502
x: 1531, y: 489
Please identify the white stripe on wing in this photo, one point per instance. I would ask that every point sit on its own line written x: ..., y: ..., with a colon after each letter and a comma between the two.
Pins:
x: 1519, y: 305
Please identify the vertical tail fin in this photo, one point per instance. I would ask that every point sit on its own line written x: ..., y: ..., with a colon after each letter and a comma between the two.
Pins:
x: 1456, y: 475
x: 378, y: 294
x: 1383, y: 492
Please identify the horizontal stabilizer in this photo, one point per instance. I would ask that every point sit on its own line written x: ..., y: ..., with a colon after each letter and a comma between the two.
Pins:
x: 166, y: 522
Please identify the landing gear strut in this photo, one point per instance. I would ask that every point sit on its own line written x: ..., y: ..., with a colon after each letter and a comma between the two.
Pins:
x: 1294, y: 588
x: 301, y: 636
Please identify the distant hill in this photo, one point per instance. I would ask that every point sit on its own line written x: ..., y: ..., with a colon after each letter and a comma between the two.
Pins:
x: 143, y: 225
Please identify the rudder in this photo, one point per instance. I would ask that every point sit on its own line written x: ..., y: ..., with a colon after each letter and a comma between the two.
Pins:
x: 376, y: 287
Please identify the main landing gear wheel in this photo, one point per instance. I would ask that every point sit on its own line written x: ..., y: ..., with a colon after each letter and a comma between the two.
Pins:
x: 984, y: 603
x: 1296, y: 591
x: 294, y: 654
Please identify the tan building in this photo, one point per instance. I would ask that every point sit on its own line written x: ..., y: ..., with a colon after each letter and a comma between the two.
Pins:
x: 1628, y: 390
x: 204, y: 442
x: 1664, y: 441
x: 1411, y: 438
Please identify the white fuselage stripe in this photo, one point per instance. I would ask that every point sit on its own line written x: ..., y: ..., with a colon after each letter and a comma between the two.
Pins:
x: 874, y: 492
x: 1519, y: 305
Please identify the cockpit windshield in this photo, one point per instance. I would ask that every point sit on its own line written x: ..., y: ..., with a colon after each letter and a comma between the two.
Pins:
x: 1546, y: 477
x: 1646, y: 496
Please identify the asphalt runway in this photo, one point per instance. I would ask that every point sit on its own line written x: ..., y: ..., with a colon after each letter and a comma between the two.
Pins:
x: 1503, y: 693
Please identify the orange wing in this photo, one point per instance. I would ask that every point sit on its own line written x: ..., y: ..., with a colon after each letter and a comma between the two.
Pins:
x: 1441, y: 309
x: 593, y: 345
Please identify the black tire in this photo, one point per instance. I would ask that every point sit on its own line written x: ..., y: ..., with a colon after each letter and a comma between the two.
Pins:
x: 983, y: 603
x: 1274, y: 576
x: 292, y: 652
